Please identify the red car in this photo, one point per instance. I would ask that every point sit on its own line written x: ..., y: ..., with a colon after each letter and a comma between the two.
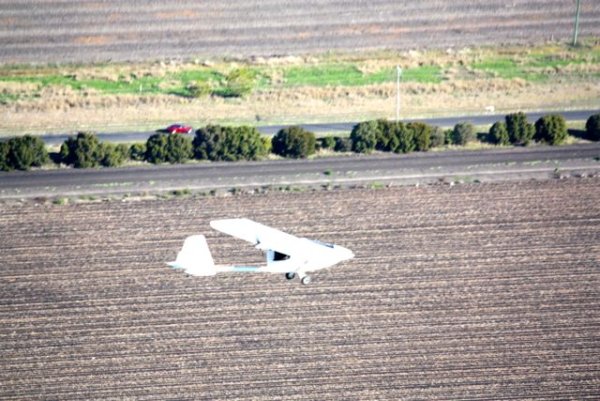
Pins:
x: 179, y: 129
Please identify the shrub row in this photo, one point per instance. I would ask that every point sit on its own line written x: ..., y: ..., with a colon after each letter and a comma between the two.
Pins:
x: 213, y: 142
x: 84, y: 150
x: 398, y: 137
x: 218, y: 143
x: 22, y: 153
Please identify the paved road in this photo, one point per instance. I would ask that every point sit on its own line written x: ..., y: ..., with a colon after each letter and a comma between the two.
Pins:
x: 55, y: 139
x: 334, y: 170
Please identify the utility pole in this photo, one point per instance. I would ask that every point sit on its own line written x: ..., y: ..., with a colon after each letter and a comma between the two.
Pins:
x: 398, y: 74
x: 576, y: 25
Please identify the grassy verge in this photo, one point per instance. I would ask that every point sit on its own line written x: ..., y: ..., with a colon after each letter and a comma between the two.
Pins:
x: 323, y: 88
x: 532, y: 65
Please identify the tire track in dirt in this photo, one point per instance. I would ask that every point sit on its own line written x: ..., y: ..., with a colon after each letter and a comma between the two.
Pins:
x: 50, y: 31
x: 472, y: 292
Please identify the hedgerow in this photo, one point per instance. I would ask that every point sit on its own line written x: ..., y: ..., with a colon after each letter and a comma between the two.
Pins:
x: 218, y: 143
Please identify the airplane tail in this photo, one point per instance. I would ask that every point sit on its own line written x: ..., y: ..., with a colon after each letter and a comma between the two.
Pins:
x: 195, y: 257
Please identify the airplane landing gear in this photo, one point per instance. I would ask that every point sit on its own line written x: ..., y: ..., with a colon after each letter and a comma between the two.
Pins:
x: 304, y: 279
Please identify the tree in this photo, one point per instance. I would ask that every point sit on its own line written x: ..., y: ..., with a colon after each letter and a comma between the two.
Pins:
x: 179, y: 149
x: 294, y: 142
x: 137, y: 151
x: 421, y: 135
x: 592, y: 127
x: 214, y: 142
x: 463, y: 133
x: 364, y: 136
x: 519, y: 130
x: 448, y: 134
x: 326, y: 142
x: 402, y: 139
x: 267, y: 145
x: 113, y: 155
x: 5, y: 164
x: 499, y: 133
x: 342, y: 144
x: 437, y: 137
x: 249, y: 143
x: 384, y: 135
x: 209, y: 143
x: 551, y: 129
x: 156, y: 149
x: 172, y: 149
x: 25, y: 152
x: 82, y: 151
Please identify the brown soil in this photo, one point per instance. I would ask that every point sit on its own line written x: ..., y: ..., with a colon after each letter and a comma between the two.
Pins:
x: 464, y: 292
x: 40, y: 31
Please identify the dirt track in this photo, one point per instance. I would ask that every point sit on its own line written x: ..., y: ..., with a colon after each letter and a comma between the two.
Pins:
x: 69, y: 31
x: 466, y: 292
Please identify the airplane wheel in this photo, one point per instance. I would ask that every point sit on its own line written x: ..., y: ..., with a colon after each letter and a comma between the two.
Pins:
x: 305, y: 280
x: 290, y: 276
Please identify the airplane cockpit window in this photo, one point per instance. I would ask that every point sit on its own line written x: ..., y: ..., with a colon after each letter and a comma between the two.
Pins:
x: 322, y: 243
x: 277, y: 256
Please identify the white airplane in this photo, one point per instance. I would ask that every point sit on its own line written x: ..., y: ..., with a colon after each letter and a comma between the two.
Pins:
x: 286, y: 254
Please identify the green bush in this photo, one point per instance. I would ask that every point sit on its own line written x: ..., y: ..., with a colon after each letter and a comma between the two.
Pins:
x: 82, y: 151
x: 499, y: 134
x: 519, y: 130
x: 210, y: 144
x: 384, y: 135
x: 551, y: 129
x: 294, y: 142
x: 592, y: 127
x: 392, y: 136
x: 326, y: 142
x: 199, y: 89
x: 239, y: 82
x: 437, y: 137
x: 421, y: 135
x: 179, y: 149
x: 364, y: 136
x: 402, y: 139
x: 137, y: 151
x: 266, y: 143
x: 342, y: 144
x: 113, y: 155
x: 24, y: 152
x: 448, y: 134
x: 215, y: 143
x: 161, y: 148
x: 463, y: 133
x: 250, y: 145
x: 4, y: 162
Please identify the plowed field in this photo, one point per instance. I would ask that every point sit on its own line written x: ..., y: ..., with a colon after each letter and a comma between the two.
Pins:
x: 75, y: 31
x: 487, y: 291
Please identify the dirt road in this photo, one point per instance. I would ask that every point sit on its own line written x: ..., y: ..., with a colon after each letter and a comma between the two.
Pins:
x: 467, y: 292
x: 67, y: 31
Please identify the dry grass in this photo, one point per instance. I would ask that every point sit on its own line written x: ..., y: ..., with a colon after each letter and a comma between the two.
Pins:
x: 472, y: 80
x: 67, y: 111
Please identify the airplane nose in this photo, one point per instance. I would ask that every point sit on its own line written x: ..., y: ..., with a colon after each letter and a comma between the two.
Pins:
x: 346, y: 253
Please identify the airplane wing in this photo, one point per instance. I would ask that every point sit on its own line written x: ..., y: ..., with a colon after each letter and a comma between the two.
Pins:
x: 265, y: 238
